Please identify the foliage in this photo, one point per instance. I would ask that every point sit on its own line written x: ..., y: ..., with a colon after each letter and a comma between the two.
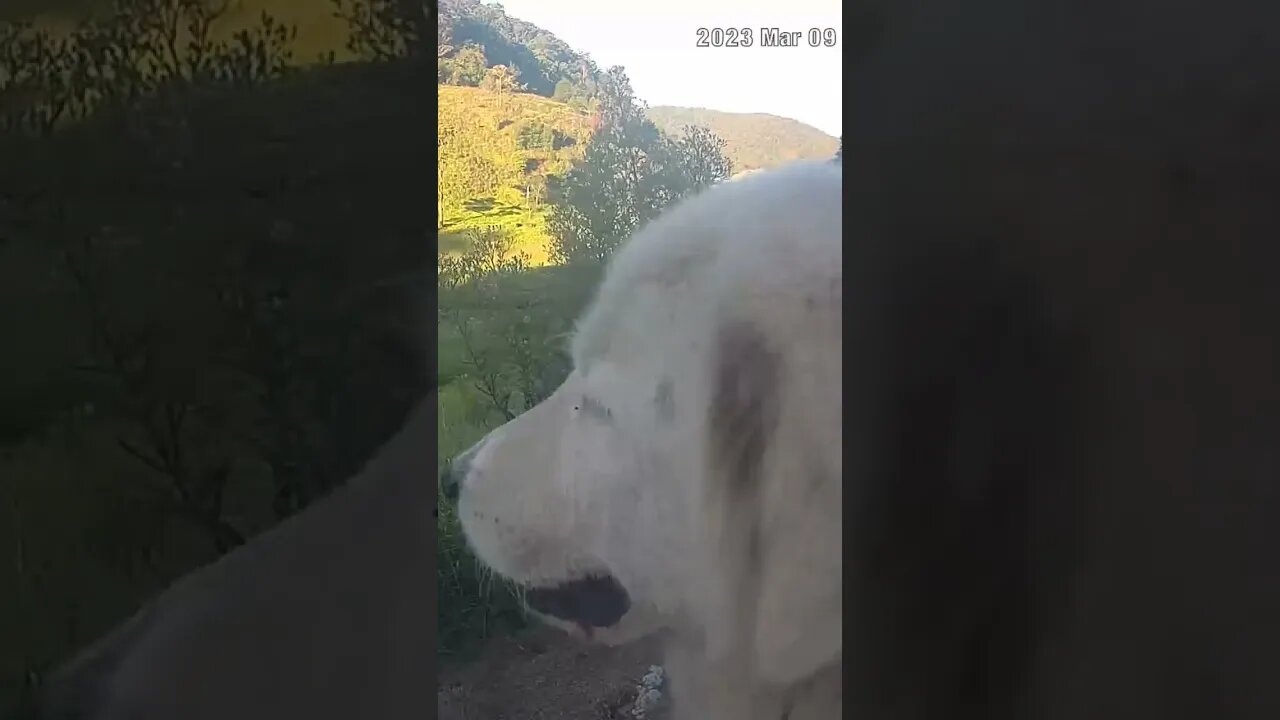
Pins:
x: 144, y: 46
x: 564, y: 91
x: 542, y: 60
x: 535, y: 135
x: 701, y: 155
x: 502, y: 327
x: 491, y: 255
x: 380, y: 29
x: 582, y: 94
x: 752, y: 140
x: 523, y: 143
x: 629, y: 173
x: 593, y: 207
x: 466, y: 66
x: 479, y: 272
x: 500, y: 79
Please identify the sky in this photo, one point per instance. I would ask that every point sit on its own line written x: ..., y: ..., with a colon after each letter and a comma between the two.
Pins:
x: 656, y: 41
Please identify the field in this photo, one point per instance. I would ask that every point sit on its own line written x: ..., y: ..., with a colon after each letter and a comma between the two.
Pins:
x: 488, y: 128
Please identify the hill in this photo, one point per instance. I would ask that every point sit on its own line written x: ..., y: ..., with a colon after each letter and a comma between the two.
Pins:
x: 753, y: 141
x: 499, y: 155
x: 473, y: 36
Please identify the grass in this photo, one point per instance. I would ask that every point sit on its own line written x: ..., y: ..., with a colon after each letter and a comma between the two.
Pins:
x: 474, y: 604
x: 526, y: 226
x: 489, y: 123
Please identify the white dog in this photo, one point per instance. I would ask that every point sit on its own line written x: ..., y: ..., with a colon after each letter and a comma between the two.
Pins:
x: 686, y: 477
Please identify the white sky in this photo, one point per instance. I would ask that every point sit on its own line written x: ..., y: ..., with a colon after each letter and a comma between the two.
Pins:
x: 655, y: 41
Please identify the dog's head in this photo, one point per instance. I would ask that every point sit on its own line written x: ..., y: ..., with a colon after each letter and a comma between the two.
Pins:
x: 584, y: 500
x: 605, y: 501
x: 563, y: 500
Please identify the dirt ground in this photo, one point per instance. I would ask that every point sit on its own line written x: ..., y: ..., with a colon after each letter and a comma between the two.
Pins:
x: 544, y: 674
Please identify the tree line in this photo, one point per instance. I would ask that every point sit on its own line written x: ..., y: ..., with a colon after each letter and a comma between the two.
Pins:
x: 473, y: 37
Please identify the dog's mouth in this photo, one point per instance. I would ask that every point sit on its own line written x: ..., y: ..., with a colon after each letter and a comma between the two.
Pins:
x: 595, y: 601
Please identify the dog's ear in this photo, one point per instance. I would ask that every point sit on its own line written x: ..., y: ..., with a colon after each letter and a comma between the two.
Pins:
x: 775, y: 504
x: 798, y: 625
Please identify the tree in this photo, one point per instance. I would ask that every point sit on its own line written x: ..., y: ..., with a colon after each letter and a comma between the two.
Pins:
x: 535, y: 190
x: 629, y: 173
x: 501, y: 79
x: 535, y: 134
x: 466, y: 67
x: 564, y: 91
x: 701, y: 156
x: 444, y: 40
x: 384, y: 29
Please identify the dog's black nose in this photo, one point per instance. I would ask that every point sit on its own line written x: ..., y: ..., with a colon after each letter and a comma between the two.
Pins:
x: 454, y: 473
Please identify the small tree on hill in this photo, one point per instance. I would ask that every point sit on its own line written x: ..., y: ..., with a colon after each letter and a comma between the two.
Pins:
x: 501, y: 79
x: 564, y: 91
x: 536, y: 135
x: 535, y: 190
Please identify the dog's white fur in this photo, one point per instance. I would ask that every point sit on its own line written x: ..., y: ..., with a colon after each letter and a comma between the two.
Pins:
x: 618, y: 472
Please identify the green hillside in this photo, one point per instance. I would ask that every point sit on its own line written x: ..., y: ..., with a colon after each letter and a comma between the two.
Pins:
x: 499, y: 155
x: 753, y: 141
x: 474, y: 35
